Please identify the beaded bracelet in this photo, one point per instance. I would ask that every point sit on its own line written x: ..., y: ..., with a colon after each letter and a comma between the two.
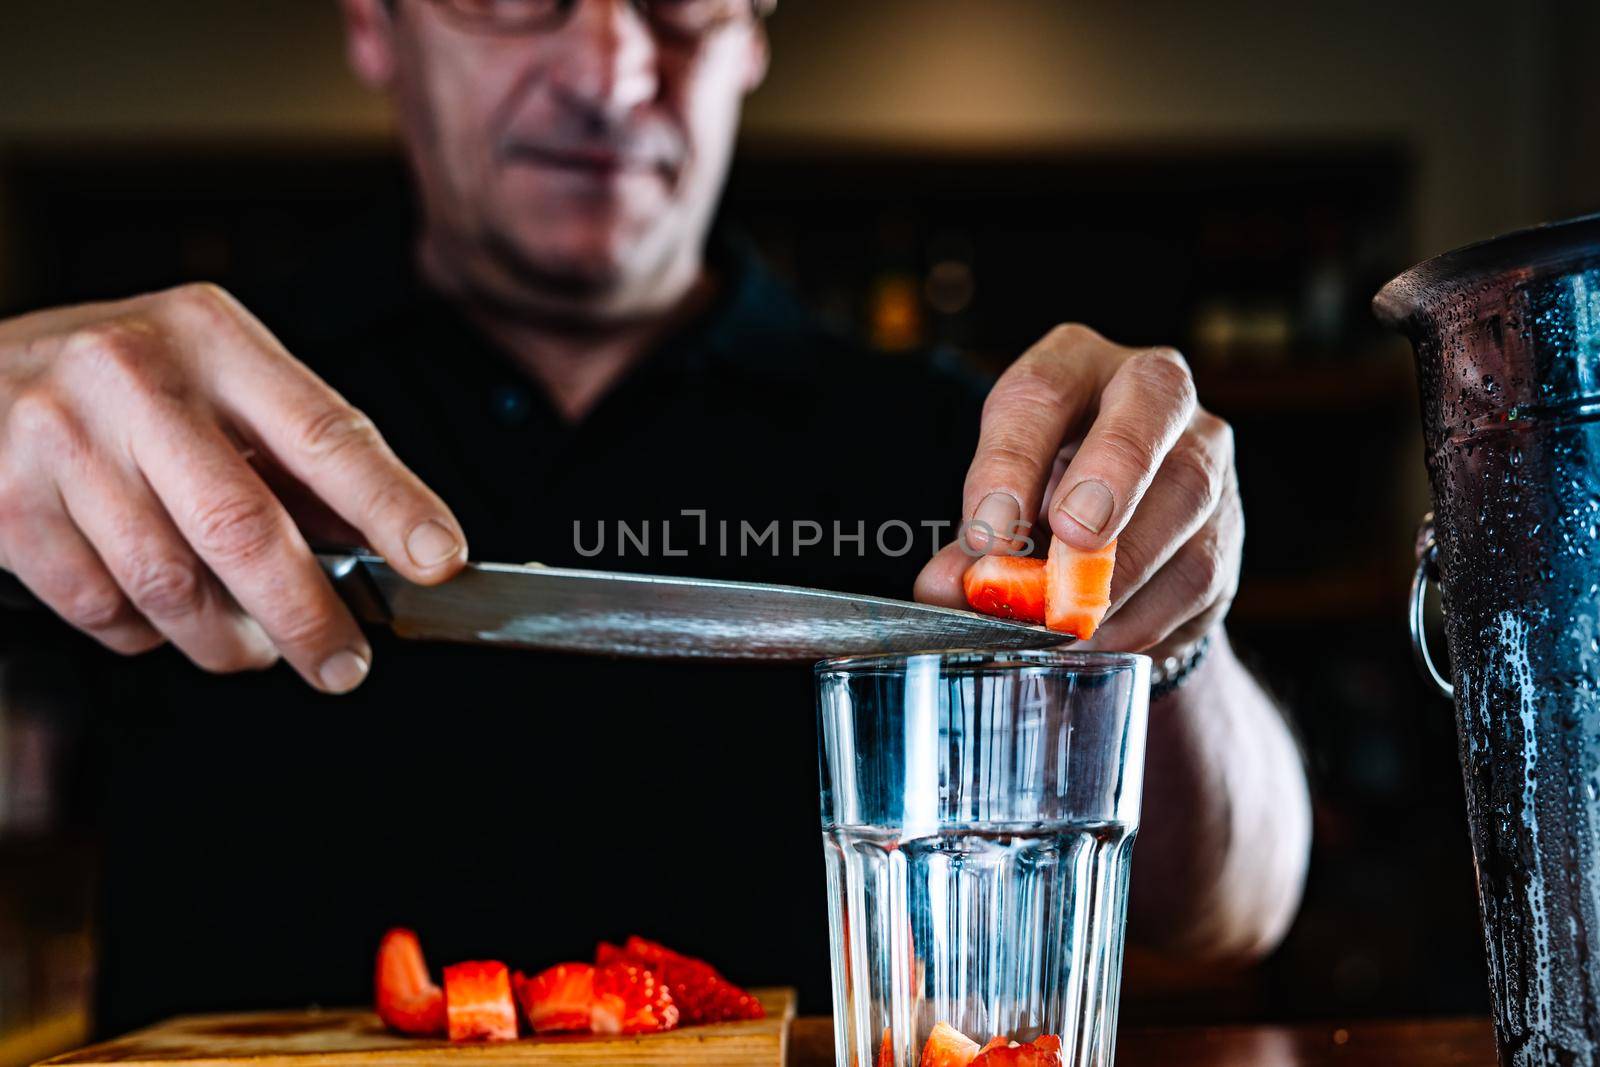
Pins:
x: 1170, y: 673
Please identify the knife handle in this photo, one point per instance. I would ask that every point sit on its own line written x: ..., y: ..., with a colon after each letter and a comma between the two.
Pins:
x: 354, y: 584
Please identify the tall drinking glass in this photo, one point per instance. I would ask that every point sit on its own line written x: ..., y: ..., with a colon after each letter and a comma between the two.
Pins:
x: 978, y: 815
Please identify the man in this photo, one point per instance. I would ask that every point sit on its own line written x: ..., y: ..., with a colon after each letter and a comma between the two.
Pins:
x: 571, y: 351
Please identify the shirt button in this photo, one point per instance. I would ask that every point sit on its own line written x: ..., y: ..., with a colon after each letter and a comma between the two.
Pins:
x: 510, y: 404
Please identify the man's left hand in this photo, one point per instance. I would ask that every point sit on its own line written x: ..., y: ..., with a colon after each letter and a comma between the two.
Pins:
x: 1097, y: 441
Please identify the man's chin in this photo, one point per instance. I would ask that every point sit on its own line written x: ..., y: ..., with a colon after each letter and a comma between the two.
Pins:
x: 575, y: 268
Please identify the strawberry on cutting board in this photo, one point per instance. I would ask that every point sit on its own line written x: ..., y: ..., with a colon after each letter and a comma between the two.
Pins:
x: 478, y: 1002
x: 406, y: 998
x: 630, y: 999
x: 699, y: 991
x: 558, y: 998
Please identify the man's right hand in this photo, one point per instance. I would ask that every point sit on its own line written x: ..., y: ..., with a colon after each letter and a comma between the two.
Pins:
x: 137, y: 443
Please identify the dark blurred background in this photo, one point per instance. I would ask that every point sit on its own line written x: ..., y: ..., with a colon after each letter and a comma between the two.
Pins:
x: 1236, y: 177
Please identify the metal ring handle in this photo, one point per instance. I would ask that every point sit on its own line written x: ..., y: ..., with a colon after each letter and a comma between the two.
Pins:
x: 1427, y: 566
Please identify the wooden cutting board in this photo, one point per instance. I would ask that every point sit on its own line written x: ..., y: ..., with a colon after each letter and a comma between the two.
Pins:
x: 358, y: 1039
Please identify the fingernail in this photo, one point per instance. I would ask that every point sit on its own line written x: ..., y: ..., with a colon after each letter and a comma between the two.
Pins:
x: 1090, y: 504
x: 343, y: 671
x: 999, y: 512
x: 430, y: 544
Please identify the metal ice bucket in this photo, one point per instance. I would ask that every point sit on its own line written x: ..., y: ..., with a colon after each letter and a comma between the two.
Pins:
x: 1507, y: 340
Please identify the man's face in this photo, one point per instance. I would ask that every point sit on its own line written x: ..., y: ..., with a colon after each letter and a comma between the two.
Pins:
x: 584, y: 157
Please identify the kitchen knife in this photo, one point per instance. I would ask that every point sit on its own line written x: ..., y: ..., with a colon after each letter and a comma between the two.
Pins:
x: 641, y: 615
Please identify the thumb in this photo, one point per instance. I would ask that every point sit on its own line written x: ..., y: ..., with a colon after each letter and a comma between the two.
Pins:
x: 940, y: 581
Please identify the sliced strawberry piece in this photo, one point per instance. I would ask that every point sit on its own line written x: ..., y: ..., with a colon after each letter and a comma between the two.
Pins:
x: 558, y: 998
x: 630, y: 999
x: 699, y: 990
x: 1011, y: 587
x: 649, y: 951
x: 885, y: 1051
x: 1077, y: 587
x: 478, y: 1002
x: 407, y: 999
x: 948, y: 1047
x: 605, y: 952
x: 704, y: 996
x: 1043, y: 1052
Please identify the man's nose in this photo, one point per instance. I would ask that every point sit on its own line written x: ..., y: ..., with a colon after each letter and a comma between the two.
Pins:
x: 606, y: 56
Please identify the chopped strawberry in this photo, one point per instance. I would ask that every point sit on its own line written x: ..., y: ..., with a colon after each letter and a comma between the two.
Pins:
x: 558, y: 998
x: 407, y: 999
x: 700, y: 992
x: 605, y: 952
x: 1011, y: 587
x: 948, y: 1047
x: 1077, y: 587
x: 885, y: 1050
x: 478, y: 1003
x: 629, y: 999
x: 1043, y: 1052
x: 649, y: 951
x: 704, y: 996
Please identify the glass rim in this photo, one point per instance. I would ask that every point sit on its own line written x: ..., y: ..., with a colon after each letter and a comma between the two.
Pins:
x: 981, y: 658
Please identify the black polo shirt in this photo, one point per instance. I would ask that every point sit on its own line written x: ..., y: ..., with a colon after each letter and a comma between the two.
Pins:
x: 508, y: 804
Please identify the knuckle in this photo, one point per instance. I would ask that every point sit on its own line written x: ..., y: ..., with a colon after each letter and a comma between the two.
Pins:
x: 42, y: 418
x: 1214, y: 428
x: 336, y: 429
x: 1002, y: 460
x: 1192, y: 579
x: 165, y: 588
x: 1201, y: 570
x: 305, y: 626
x: 1218, y: 434
x: 1129, y: 449
x: 93, y: 605
x: 1068, y: 336
x: 117, y: 344
x: 390, y: 503
x: 238, y: 528
x: 1135, y: 557
x: 1194, y: 473
x: 1165, y: 371
x: 128, y: 353
x: 205, y: 301
x: 1028, y: 385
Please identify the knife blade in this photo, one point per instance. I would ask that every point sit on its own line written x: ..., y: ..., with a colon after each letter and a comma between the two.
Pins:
x: 659, y: 617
